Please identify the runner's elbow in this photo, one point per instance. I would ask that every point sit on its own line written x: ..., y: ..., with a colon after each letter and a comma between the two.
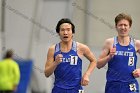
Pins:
x: 99, y: 65
x: 46, y: 74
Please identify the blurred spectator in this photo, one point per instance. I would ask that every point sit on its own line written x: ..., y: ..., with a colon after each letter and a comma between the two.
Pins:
x: 9, y: 73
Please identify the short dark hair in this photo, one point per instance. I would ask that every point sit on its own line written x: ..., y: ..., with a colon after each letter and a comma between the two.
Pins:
x: 9, y: 53
x: 64, y: 20
x: 123, y: 16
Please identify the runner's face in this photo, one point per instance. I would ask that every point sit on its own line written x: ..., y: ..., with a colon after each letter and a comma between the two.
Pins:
x: 123, y: 27
x: 65, y: 32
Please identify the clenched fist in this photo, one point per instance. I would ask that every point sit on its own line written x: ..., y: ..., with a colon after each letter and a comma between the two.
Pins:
x: 58, y: 58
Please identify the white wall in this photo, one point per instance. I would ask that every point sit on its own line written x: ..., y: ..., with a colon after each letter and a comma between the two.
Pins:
x: 100, y: 24
x: 79, y: 19
x: 19, y: 25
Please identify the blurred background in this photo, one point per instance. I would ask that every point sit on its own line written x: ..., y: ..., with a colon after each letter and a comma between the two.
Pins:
x: 28, y: 27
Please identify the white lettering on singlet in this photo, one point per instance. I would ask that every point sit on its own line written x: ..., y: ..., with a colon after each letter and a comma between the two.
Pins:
x: 66, y: 59
x: 72, y: 60
x: 124, y: 53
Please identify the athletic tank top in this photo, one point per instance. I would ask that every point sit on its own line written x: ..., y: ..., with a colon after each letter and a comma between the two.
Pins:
x: 121, y: 66
x: 68, y: 72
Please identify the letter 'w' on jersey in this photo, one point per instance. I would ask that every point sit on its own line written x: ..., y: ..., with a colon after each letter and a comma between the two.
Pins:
x: 74, y: 60
x: 81, y: 91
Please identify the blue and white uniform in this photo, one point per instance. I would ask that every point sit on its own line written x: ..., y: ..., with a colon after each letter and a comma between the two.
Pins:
x: 69, y: 72
x: 119, y: 75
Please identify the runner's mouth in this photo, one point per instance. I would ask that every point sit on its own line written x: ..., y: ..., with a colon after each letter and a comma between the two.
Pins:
x: 65, y: 36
